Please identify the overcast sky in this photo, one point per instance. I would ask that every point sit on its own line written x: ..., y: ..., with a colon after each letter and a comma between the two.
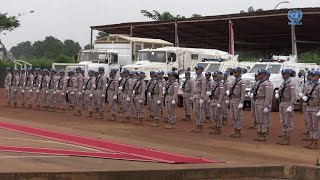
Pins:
x: 70, y: 19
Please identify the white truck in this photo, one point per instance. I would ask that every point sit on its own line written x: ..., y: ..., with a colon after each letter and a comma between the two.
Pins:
x: 127, y: 47
x: 92, y: 60
x: 167, y: 58
x: 275, y: 67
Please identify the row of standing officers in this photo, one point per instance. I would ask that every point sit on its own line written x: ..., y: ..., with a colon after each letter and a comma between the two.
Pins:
x: 211, y: 98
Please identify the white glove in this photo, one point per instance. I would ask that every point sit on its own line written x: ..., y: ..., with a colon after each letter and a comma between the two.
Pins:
x: 227, y: 101
x: 22, y: 91
x: 47, y: 92
x: 209, y: 100
x: 158, y: 102
x: 318, y: 114
x: 102, y: 95
x: 149, y: 94
x: 173, y: 102
x: 72, y: 92
x: 79, y: 93
x: 248, y: 94
x: 91, y: 95
x: 218, y: 105
x: 15, y: 90
x: 201, y: 101
x: 191, y: 98
x: 128, y: 98
x: 277, y: 96
x: 289, y: 109
x: 83, y: 87
x: 62, y: 94
x: 8, y: 88
x: 94, y: 86
x: 120, y: 88
x: 208, y: 93
x: 54, y: 92
x: 305, y: 98
x: 83, y: 92
x: 140, y: 101
x: 300, y: 95
x: 251, y: 95
x: 30, y: 90
x: 37, y: 90
x: 133, y: 92
x: 58, y: 91
x: 240, y: 106
x: 115, y: 97
x: 163, y: 92
x: 265, y: 110
x: 228, y: 92
x: 277, y: 91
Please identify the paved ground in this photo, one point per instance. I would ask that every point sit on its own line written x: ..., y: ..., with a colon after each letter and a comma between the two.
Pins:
x: 235, y: 152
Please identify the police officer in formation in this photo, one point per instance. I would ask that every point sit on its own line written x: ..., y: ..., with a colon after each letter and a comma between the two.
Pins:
x: 212, y: 98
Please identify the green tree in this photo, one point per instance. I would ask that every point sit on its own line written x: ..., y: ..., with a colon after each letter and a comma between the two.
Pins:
x: 88, y: 46
x: 251, y: 9
x: 101, y: 34
x: 165, y: 16
x: 22, y: 50
x: 8, y: 23
x: 71, y: 47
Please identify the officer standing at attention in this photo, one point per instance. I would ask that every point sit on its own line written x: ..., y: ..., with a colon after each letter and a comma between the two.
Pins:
x: 286, y: 97
x: 216, y: 97
x: 112, y: 92
x: 89, y: 91
x: 236, y: 96
x: 157, y: 95
x: 250, y: 94
x: 187, y: 88
x: 263, y: 98
x: 139, y: 96
x: 53, y: 91
x: 207, y: 106
x: 29, y: 86
x: 14, y: 87
x: 7, y: 85
x: 71, y: 95
x: 306, y: 86
x: 78, y: 88
x: 36, y: 87
x: 127, y: 89
x: 198, y: 98
x: 61, y: 91
x: 100, y: 88
x: 149, y: 96
x: 312, y: 98
x: 21, y: 85
x: 44, y: 89
x: 171, y: 99
x: 268, y: 114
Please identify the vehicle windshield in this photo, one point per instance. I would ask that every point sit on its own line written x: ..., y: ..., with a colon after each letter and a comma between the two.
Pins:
x: 274, y: 69
x: 90, y: 56
x: 257, y: 67
x: 153, y: 56
x: 205, y: 65
x: 214, y: 67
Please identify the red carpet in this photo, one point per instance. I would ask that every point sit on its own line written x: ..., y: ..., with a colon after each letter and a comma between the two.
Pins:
x: 105, y: 145
x: 62, y: 152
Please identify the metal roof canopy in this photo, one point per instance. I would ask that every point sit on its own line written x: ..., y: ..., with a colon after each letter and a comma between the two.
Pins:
x: 266, y: 30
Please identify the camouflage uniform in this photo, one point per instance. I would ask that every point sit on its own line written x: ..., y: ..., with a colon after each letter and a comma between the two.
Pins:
x: 171, y: 100
x: 29, y: 91
x: 199, y: 94
x: 7, y: 86
x: 225, y: 105
x: 187, y: 88
x: 150, y: 84
x: 36, y: 89
x: 21, y: 85
x: 78, y: 88
x: 287, y: 98
x: 44, y: 85
x: 157, y: 95
x: 127, y: 89
x: 139, y: 96
x: 61, y: 92
x: 112, y: 91
x: 207, y: 106
x: 216, y: 98
x: 14, y: 88
x: 100, y: 90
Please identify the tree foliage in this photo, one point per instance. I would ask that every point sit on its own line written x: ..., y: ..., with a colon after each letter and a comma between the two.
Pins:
x: 8, y: 23
x: 50, y: 48
x: 101, y: 34
x: 251, y: 9
x: 165, y: 16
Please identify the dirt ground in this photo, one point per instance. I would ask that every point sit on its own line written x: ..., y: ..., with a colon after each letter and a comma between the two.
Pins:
x: 235, y: 152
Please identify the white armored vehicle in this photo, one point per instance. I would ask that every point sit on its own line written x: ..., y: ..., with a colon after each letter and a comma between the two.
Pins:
x: 275, y: 66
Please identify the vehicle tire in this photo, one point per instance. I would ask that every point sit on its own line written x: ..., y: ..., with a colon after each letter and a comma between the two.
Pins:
x: 180, y: 101
x: 274, y: 105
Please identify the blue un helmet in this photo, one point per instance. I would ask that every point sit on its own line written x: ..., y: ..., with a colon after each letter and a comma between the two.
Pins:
x: 315, y: 73
x: 61, y: 71
x: 101, y: 68
x: 152, y: 72
x: 8, y: 68
x: 262, y: 71
x: 78, y: 68
x: 15, y: 69
x: 208, y: 73
x: 225, y: 74
x: 199, y: 67
x: 114, y: 70
x: 217, y: 73
x: 30, y: 69
x: 23, y: 69
x: 53, y: 70
x: 237, y: 69
x: 126, y: 71
x: 286, y: 71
